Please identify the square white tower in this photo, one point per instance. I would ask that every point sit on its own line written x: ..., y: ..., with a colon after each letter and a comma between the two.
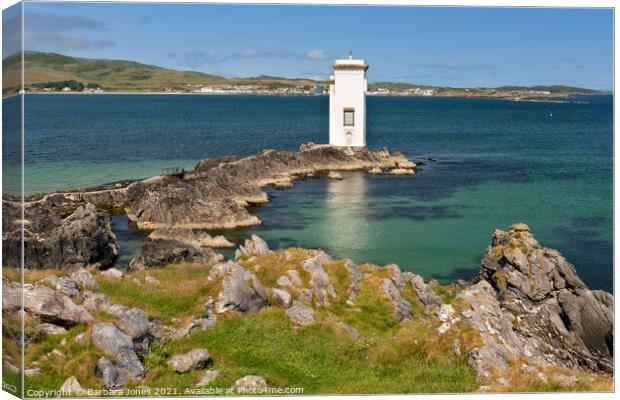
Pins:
x: 347, y: 103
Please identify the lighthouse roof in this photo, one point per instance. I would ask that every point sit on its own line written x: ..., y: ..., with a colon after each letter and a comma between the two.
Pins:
x: 350, y: 64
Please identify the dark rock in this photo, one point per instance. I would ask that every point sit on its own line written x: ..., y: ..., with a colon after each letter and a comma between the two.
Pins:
x: 158, y: 253
x: 54, y: 239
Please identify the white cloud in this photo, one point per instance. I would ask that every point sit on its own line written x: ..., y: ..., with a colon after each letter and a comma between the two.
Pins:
x: 317, y: 54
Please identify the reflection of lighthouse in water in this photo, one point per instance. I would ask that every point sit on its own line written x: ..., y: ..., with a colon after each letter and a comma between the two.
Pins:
x: 344, y: 228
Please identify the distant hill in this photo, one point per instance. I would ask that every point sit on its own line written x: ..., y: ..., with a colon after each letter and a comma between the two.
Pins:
x: 52, y: 71
x: 551, y: 89
x: 116, y: 75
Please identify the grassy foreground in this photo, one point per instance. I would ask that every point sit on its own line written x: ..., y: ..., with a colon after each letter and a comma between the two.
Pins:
x: 324, y: 358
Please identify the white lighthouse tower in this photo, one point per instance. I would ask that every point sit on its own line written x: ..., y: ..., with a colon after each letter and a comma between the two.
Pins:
x: 347, y: 103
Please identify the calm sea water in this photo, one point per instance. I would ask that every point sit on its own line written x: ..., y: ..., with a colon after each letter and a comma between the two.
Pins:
x: 498, y: 162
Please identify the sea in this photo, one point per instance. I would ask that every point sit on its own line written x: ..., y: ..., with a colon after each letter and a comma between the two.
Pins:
x: 484, y: 164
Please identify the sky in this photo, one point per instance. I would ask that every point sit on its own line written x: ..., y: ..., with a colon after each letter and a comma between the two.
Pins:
x: 459, y: 47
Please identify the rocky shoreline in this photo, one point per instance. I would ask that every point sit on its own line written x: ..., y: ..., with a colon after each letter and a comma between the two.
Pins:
x: 525, y: 322
x: 66, y: 229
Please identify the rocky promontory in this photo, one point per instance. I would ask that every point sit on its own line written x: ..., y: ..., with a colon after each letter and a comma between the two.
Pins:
x: 216, y: 194
x: 69, y: 229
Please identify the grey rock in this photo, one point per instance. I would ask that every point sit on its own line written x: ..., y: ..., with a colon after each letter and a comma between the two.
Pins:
x: 85, y: 280
x: 32, y: 372
x: 281, y: 298
x: 424, y: 292
x: 51, y: 329
x: 565, y: 380
x: 113, y: 273
x: 397, y: 276
x: 250, y: 382
x: 208, y: 377
x: 10, y: 367
x: 45, y: 303
x: 305, y: 296
x: 349, y: 329
x: 71, y: 387
x: 64, y: 285
x: 284, y: 281
x: 94, y: 302
x: 112, y: 376
x: 109, y: 339
x: 322, y: 289
x: 294, y: 277
x: 190, y: 237
x: 151, y: 280
x: 241, y: 293
x: 300, y: 315
x: 134, y: 323
x: 402, y: 308
x: 335, y: 175
x: 484, y: 314
x: 117, y: 309
x: 194, y: 359
x: 355, y: 278
x: 562, y: 321
x: 80, y: 338
x: 254, y: 246
x: 158, y: 330
x: 198, y: 324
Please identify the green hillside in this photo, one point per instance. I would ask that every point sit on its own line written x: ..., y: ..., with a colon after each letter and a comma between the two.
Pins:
x: 115, y: 75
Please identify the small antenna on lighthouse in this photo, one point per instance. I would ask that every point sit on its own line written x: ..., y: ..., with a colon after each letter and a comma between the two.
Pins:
x: 350, y: 55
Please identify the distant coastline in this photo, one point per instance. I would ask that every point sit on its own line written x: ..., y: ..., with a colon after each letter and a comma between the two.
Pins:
x: 569, y: 98
x: 61, y: 74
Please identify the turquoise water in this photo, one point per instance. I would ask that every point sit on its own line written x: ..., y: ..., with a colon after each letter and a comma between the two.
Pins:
x: 498, y: 162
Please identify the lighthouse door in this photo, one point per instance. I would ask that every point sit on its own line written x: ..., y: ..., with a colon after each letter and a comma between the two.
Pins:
x: 349, y: 138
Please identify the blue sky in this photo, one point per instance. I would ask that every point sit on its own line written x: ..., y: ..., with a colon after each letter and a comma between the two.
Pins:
x: 462, y: 47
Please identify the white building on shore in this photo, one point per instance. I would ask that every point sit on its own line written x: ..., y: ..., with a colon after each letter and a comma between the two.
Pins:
x: 347, y: 103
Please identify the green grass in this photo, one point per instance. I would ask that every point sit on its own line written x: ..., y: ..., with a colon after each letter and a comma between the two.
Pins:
x: 182, y: 293
x: 447, y: 294
x: 317, y: 358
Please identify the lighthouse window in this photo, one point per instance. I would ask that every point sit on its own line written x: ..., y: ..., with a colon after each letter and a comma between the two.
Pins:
x: 349, y: 116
